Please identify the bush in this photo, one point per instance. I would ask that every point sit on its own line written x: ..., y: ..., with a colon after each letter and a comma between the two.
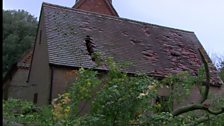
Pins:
x: 121, y: 100
x: 24, y: 112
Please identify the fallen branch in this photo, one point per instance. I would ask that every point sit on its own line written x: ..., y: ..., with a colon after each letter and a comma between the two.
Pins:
x: 207, y: 83
x: 193, y: 107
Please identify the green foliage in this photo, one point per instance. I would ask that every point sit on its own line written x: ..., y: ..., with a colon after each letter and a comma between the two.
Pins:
x: 179, y: 86
x: 25, y: 112
x: 19, y: 30
x: 118, y: 99
x: 221, y: 72
x: 216, y: 121
x: 124, y: 99
x: 82, y: 88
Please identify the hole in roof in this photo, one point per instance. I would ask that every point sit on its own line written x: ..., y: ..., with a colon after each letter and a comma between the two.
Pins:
x: 90, y: 46
x: 167, y: 36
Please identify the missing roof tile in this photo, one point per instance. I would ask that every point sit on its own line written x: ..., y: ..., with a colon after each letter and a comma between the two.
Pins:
x: 146, y: 31
x: 167, y: 36
x: 90, y: 45
x: 150, y: 55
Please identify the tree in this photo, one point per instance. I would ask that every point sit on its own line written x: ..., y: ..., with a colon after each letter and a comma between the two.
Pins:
x: 19, y: 31
x: 122, y: 100
x: 130, y: 100
x: 221, y: 70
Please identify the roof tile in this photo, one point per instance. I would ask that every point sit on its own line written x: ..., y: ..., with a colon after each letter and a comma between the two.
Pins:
x: 152, y: 49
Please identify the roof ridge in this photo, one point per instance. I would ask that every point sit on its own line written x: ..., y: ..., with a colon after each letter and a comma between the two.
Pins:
x: 111, y: 17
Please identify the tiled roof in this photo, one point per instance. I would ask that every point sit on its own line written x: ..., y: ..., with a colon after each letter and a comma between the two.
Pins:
x: 25, y: 61
x: 151, y: 49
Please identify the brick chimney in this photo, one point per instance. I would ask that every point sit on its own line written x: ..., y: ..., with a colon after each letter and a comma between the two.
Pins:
x: 98, y: 6
x: 80, y: 0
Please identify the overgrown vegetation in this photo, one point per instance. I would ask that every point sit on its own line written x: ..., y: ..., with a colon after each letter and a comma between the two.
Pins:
x: 24, y: 112
x: 19, y: 31
x: 221, y: 70
x: 116, y: 99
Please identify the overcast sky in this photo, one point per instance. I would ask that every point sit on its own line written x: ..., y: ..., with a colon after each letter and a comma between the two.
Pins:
x: 204, y: 17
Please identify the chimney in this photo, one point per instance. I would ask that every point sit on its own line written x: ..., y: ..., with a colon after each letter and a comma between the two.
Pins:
x: 80, y: 0
x: 97, y: 6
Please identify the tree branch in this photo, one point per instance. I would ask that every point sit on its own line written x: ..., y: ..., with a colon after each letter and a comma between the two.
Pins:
x: 193, y: 107
x: 207, y: 83
x: 200, y: 106
x: 185, y: 109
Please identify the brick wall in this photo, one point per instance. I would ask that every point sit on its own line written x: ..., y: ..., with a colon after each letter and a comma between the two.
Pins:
x: 99, y: 6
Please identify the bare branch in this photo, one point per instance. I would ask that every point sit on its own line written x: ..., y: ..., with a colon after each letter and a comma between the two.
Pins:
x: 207, y: 83
x: 200, y: 106
x: 193, y: 107
x: 186, y: 109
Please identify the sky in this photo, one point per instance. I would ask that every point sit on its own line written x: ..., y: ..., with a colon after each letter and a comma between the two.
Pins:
x: 204, y: 17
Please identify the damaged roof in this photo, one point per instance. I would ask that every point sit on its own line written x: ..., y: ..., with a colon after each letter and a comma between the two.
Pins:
x: 151, y: 49
x: 25, y: 61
